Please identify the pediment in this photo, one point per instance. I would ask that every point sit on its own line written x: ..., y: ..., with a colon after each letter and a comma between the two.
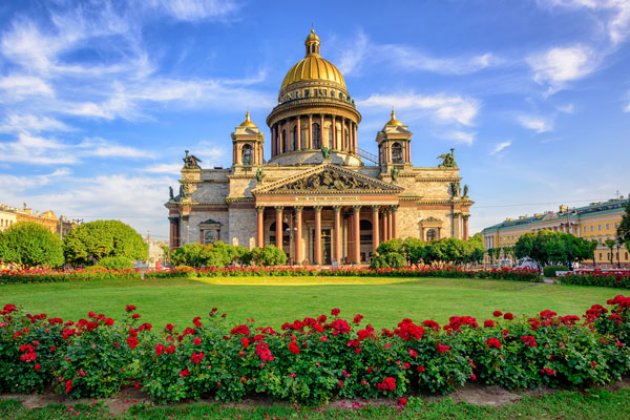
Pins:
x: 328, y: 179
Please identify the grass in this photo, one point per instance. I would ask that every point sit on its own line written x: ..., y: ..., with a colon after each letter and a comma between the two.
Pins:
x: 574, y: 405
x: 274, y: 300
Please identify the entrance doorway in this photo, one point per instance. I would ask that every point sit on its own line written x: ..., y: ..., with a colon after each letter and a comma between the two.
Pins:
x: 326, y: 246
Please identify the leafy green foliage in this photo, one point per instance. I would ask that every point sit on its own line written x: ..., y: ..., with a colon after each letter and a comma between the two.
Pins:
x: 217, y: 255
x: 396, y: 253
x: 547, y: 247
x: 550, y: 270
x: 270, y: 255
x: 115, y: 263
x: 623, y: 230
x: 28, y: 244
x: 90, y: 242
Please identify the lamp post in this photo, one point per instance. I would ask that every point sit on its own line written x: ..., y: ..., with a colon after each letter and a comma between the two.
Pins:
x: 290, y: 229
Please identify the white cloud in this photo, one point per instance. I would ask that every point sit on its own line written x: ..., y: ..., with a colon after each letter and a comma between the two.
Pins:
x: 627, y: 107
x: 558, y: 66
x: 20, y: 183
x: 459, y: 136
x: 442, y: 107
x: 192, y: 10
x: 17, y: 87
x: 613, y: 14
x: 362, y: 50
x: 499, y: 147
x: 14, y: 123
x: 567, y: 109
x: 537, y: 124
x: 37, y: 150
x: 164, y: 168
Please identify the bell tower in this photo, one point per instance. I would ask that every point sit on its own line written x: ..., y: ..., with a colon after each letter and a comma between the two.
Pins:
x: 247, y: 144
x: 394, y: 144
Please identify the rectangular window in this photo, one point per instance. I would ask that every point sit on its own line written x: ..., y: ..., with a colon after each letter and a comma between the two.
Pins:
x: 626, y: 256
x: 607, y: 226
x: 599, y: 227
x: 591, y: 228
x: 600, y: 255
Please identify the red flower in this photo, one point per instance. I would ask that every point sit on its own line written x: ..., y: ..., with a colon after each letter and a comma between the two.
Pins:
x: 335, y: 311
x: 169, y: 328
x: 240, y: 330
x: 135, y: 316
x: 130, y: 308
x: 109, y: 322
x: 132, y: 342
x: 262, y: 350
x: 442, y: 348
x: 294, y: 348
x: 358, y: 318
x: 388, y: 384
x: 170, y: 349
x: 196, y: 358
x: 197, y: 341
x: 402, y: 402
x: 497, y: 313
x: 529, y: 340
x: 184, y: 373
x: 197, y: 321
x: 509, y: 316
x: 488, y: 323
x: 548, y: 371
x: 37, y: 367
x: 420, y: 369
x: 413, y: 353
x: 68, y: 386
x: 431, y: 324
x: 493, y: 342
x: 473, y: 377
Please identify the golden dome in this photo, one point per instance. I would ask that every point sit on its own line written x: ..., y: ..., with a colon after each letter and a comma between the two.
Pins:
x: 313, y: 67
x: 248, y: 122
x: 393, y: 122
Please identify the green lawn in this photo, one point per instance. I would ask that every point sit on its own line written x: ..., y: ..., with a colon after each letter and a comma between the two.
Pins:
x: 272, y: 301
x: 575, y: 405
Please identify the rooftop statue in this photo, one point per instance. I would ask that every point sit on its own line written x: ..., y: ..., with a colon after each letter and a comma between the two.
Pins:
x: 448, y: 160
x: 191, y: 161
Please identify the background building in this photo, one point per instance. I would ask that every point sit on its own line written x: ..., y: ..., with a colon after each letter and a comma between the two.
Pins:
x: 11, y: 215
x: 319, y: 197
x: 597, y: 221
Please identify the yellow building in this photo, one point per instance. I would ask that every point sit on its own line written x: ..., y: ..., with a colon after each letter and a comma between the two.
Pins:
x: 11, y: 215
x: 597, y: 221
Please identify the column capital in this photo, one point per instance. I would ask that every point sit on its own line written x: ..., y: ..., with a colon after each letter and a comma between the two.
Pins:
x: 337, y: 208
x: 375, y: 209
x: 298, y: 209
x: 394, y: 209
x: 260, y: 209
x: 466, y: 216
x: 318, y: 208
x: 356, y: 209
x: 279, y: 209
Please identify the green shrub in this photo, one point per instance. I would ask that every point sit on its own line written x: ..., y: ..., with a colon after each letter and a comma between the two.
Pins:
x: 270, y: 255
x: 115, y: 263
x: 27, y: 244
x: 550, y: 270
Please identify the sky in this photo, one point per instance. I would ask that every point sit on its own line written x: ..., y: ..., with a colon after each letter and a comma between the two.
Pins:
x: 99, y: 99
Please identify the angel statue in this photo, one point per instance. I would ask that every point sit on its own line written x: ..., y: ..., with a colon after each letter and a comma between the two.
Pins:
x: 465, y: 194
x: 171, y: 196
x: 259, y: 175
x: 448, y: 160
x: 325, y: 152
x: 191, y: 161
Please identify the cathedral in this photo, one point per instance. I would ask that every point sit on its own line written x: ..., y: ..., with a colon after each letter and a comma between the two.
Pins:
x: 319, y: 197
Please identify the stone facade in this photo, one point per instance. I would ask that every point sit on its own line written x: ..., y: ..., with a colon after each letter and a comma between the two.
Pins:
x: 319, y: 197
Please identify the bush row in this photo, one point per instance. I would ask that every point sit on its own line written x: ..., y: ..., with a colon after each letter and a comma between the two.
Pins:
x: 619, y: 279
x: 97, y: 273
x: 311, y: 360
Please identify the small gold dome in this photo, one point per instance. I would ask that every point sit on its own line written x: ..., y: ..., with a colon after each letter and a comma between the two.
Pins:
x: 313, y: 67
x: 393, y: 122
x: 248, y: 122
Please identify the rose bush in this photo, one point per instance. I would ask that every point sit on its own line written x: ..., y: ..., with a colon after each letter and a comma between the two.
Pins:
x: 314, y: 359
x: 619, y: 279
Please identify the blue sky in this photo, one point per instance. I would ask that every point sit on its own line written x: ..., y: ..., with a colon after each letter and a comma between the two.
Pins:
x: 98, y: 100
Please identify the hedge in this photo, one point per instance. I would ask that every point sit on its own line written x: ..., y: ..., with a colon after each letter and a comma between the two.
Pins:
x: 45, y: 276
x: 619, y: 279
x: 311, y: 360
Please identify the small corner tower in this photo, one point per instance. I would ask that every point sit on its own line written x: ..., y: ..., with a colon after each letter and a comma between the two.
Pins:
x: 247, y: 144
x: 394, y: 143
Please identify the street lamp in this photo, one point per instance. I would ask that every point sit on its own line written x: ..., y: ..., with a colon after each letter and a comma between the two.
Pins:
x: 290, y: 229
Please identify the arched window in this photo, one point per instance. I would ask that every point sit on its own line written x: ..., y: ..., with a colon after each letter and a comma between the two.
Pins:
x: 285, y: 142
x: 247, y: 155
x: 397, y: 155
x: 295, y: 138
x: 431, y: 235
x: 210, y: 236
x: 317, y: 139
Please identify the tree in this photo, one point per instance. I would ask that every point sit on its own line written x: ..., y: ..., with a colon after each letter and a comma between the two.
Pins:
x: 89, y: 242
x: 27, y: 244
x: 546, y: 247
x: 610, y: 244
x: 623, y: 230
x: 268, y: 256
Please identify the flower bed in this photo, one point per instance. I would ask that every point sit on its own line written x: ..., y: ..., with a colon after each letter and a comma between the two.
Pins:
x: 311, y: 360
x: 49, y: 276
x: 45, y: 276
x: 620, y: 279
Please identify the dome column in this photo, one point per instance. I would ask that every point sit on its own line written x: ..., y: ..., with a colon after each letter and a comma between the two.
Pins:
x: 279, y: 233
x: 356, y: 225
x: 298, y: 131
x: 337, y: 227
x: 322, y: 141
x: 318, y: 235
x: 310, y: 131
